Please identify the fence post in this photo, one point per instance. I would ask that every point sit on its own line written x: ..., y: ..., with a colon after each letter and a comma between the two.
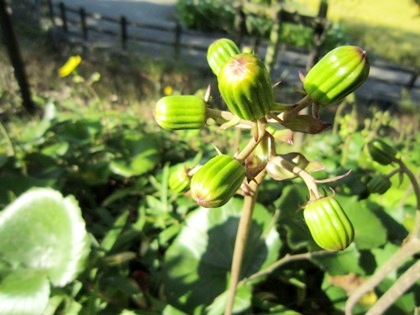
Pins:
x: 63, y: 16
x: 124, y: 37
x: 51, y: 11
x: 12, y: 46
x: 413, y: 79
x: 177, y: 45
x: 318, y: 35
x: 83, y: 25
x: 239, y: 21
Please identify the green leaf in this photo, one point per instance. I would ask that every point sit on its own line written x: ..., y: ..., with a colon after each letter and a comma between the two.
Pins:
x: 369, y: 230
x: 3, y: 159
x: 338, y: 297
x: 340, y: 263
x: 242, y: 301
x: 24, y: 291
x: 43, y: 231
x: 197, y: 263
x: 170, y: 310
x: 141, y: 157
x: 291, y: 217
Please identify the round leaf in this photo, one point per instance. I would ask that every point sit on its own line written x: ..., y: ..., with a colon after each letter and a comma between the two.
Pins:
x: 24, y: 292
x: 198, y: 261
x: 369, y: 230
x: 43, y: 231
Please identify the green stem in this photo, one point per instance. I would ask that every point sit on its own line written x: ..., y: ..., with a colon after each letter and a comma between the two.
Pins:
x: 250, y: 147
x: 415, y: 233
x: 306, y: 177
x: 295, y: 108
x: 221, y: 117
x: 241, y: 240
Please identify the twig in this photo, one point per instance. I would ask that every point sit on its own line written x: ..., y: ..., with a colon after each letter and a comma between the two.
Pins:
x: 286, y: 259
x: 406, y: 281
x: 407, y: 250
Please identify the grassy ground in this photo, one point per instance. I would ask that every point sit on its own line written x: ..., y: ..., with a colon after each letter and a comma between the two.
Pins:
x: 388, y: 28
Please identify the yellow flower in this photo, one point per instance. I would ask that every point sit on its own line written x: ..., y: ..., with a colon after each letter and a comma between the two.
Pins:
x: 167, y: 90
x: 70, y: 65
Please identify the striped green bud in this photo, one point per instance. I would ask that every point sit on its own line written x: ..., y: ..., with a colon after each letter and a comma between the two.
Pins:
x: 329, y: 225
x: 337, y: 74
x: 219, y: 52
x: 179, y: 179
x: 215, y: 183
x: 381, y: 152
x: 245, y: 86
x: 179, y: 112
x: 378, y: 184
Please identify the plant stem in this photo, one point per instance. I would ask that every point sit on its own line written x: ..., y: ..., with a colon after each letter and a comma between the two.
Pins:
x: 415, y: 233
x: 241, y: 240
x: 250, y: 147
x: 295, y: 108
x: 221, y: 117
x: 310, y: 182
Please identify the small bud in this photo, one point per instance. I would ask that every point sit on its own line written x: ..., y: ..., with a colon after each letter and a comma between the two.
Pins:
x: 179, y: 180
x: 219, y: 52
x: 379, y: 184
x: 245, y: 86
x: 381, y: 152
x: 179, y: 112
x: 215, y: 183
x: 328, y: 223
x: 337, y: 74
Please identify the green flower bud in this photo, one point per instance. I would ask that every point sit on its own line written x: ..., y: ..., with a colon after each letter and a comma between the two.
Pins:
x: 246, y: 86
x: 381, y: 152
x: 219, y: 52
x: 181, y: 112
x: 337, y: 74
x: 328, y: 223
x: 179, y: 180
x: 217, y: 181
x: 378, y: 184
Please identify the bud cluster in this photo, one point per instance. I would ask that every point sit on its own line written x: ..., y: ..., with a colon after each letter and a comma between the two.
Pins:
x: 245, y: 86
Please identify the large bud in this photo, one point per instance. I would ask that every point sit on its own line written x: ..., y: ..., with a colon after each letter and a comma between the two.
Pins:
x: 217, y: 181
x: 179, y: 112
x: 337, y: 74
x: 219, y: 52
x: 246, y: 86
x: 329, y: 225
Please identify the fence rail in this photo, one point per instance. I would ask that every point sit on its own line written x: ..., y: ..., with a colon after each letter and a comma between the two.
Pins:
x: 192, y: 43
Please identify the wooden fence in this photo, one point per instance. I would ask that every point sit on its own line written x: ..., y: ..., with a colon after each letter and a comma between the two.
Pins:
x: 79, y: 22
x: 386, y: 82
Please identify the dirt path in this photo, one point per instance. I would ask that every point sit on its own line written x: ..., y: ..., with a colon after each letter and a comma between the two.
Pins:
x: 135, y: 10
